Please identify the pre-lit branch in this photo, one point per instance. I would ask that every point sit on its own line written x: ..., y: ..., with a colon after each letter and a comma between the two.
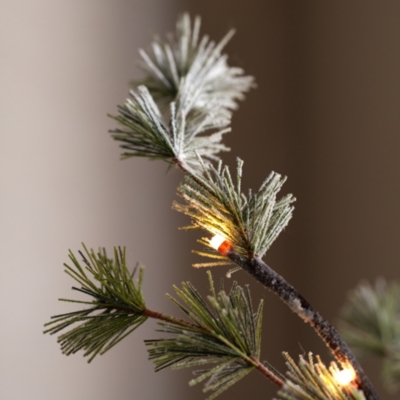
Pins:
x: 274, y: 282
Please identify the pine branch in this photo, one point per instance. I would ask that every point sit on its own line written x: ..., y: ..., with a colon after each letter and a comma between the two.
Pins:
x: 249, y: 223
x: 370, y: 324
x: 116, y: 308
x: 201, y: 89
x: 248, y: 226
x: 226, y: 331
x: 313, y: 380
x: 192, y: 76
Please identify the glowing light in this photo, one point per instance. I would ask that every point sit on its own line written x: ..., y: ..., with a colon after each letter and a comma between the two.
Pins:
x: 345, y: 376
x: 216, y: 241
x: 219, y: 243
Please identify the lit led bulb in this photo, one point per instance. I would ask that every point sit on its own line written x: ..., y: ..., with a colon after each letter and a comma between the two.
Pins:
x: 220, y: 244
x: 216, y: 241
x: 345, y: 376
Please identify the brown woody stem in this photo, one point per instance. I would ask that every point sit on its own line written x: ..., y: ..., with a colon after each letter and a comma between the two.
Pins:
x: 267, y: 373
x: 298, y: 304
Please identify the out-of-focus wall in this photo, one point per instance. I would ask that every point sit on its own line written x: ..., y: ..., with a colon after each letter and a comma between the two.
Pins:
x: 63, y: 66
x: 326, y: 114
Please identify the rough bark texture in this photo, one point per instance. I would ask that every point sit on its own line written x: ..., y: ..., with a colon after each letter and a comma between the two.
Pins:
x: 298, y: 304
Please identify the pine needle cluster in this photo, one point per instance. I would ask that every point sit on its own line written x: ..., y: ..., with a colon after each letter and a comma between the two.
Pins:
x: 226, y: 331
x: 116, y: 308
x: 193, y: 77
x: 146, y: 134
x: 371, y: 326
x: 197, y: 62
x: 217, y: 205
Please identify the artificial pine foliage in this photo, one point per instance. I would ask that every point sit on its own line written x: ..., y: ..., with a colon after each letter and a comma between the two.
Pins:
x: 216, y: 205
x: 117, y: 304
x: 179, y: 113
x: 196, y: 64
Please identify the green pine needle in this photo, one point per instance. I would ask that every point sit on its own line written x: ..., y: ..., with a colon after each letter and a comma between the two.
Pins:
x: 310, y: 380
x: 249, y: 223
x: 371, y: 326
x: 225, y: 330
x: 115, y: 310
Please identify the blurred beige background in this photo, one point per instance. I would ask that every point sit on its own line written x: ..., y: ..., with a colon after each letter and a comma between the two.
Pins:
x: 325, y: 113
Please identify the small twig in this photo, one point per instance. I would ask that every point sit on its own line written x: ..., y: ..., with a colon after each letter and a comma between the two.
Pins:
x: 171, y: 320
x: 274, y: 282
x: 268, y: 373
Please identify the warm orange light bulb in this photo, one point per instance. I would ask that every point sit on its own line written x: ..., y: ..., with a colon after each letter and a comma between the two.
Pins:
x: 345, y: 376
x: 219, y: 243
x: 216, y: 241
